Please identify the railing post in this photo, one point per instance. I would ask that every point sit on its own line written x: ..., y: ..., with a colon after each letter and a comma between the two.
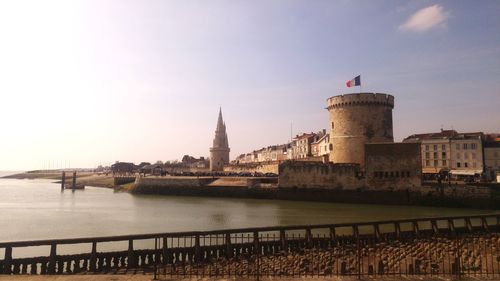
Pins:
x: 484, y: 224
x: 468, y: 224
x: 397, y: 228
x: 434, y: 226
x: 197, y: 250
x: 451, y: 226
x: 165, y: 251
x: 355, y: 231
x: 229, y: 247
x: 131, y: 256
x: 256, y: 242
x: 93, y: 257
x: 376, y: 230
x: 415, y: 227
x: 308, y: 238
x: 7, y: 261
x: 52, y: 259
x: 283, y: 240
x: 333, y: 235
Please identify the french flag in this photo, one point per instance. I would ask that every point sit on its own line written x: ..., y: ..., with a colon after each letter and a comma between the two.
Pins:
x: 354, y: 82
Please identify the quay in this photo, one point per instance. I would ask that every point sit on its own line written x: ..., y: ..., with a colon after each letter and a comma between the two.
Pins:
x: 437, y: 246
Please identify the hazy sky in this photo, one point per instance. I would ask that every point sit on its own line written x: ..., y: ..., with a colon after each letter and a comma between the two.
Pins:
x: 84, y: 83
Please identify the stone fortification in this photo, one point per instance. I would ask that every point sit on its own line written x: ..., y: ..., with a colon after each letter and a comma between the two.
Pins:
x: 391, y: 166
x: 356, y: 119
x: 265, y: 167
x: 295, y: 174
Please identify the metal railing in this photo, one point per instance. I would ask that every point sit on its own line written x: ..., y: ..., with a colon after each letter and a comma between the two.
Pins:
x: 461, y: 246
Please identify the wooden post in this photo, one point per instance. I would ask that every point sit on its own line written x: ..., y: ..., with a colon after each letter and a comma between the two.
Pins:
x: 131, y: 256
x: 74, y: 179
x: 93, y: 257
x: 63, y: 180
x: 52, y: 259
x: 7, y: 261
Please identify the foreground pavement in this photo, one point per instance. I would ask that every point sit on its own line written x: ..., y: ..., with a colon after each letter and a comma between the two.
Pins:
x: 148, y: 277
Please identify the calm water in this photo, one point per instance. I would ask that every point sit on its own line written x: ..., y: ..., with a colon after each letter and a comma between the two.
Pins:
x: 37, y: 209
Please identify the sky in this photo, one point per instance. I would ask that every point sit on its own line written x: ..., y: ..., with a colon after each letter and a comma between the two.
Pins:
x: 87, y: 83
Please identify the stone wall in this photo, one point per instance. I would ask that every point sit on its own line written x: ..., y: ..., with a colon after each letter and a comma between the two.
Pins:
x: 296, y: 174
x: 265, y: 167
x: 393, y: 165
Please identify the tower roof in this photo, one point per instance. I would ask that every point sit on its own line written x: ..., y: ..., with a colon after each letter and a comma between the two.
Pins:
x: 220, y: 139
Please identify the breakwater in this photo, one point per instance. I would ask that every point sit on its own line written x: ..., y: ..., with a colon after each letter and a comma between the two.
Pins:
x: 467, y: 245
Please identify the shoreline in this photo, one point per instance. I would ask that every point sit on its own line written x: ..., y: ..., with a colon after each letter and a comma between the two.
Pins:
x: 242, y: 188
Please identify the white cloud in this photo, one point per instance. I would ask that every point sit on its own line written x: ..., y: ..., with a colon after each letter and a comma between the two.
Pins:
x: 425, y: 19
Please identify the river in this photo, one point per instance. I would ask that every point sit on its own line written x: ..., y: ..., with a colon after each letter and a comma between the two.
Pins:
x: 37, y: 209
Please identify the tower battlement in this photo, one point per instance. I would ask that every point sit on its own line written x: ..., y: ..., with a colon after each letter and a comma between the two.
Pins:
x: 360, y: 99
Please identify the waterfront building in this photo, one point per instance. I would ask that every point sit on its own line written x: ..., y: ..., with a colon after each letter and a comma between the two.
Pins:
x: 357, y: 119
x: 460, y: 154
x: 302, y: 147
x: 435, y: 150
x: 219, y: 152
x: 492, y: 157
x: 467, y: 154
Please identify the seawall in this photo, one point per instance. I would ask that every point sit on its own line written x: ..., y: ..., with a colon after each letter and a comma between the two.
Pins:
x: 202, y: 188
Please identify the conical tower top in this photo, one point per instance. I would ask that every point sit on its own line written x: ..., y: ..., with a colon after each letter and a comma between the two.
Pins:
x: 219, y: 152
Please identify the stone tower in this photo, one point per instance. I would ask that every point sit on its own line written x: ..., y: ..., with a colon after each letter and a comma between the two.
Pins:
x: 356, y: 119
x: 219, y: 152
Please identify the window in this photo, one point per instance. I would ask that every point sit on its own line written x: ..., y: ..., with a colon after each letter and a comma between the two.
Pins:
x: 465, y: 146
x: 465, y: 164
x: 458, y: 164
x: 458, y: 146
x: 407, y: 174
x: 435, y: 147
x: 386, y: 175
x: 443, y: 147
x: 443, y: 154
x: 397, y: 174
x: 435, y: 155
x: 473, y: 146
x: 427, y: 163
x: 392, y: 174
x: 426, y: 147
x: 402, y: 174
x: 443, y: 163
x: 427, y: 154
x: 435, y: 163
x: 332, y: 126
